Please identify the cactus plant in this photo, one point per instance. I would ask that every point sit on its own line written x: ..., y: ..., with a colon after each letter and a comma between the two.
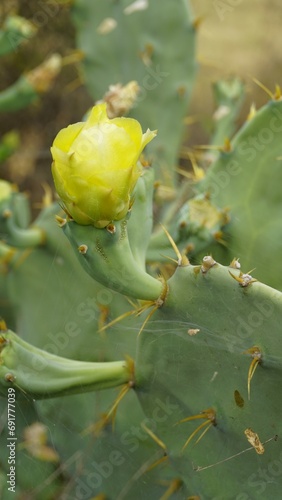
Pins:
x: 165, y: 82
x: 28, y: 87
x: 208, y: 312
x: 14, y: 31
x: 254, y: 156
x: 132, y: 379
x: 229, y: 96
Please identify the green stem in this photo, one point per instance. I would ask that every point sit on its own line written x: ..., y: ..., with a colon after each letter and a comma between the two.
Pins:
x: 140, y: 222
x: 15, y: 30
x: 229, y: 96
x: 43, y: 375
x: 21, y: 210
x: 17, y: 96
x: 108, y: 258
x: 30, y: 237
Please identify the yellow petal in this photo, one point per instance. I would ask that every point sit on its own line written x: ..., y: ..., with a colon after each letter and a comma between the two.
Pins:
x: 61, y: 182
x: 97, y: 115
x: 96, y: 166
x: 109, y: 148
x: 132, y: 128
x: 66, y: 136
x: 59, y: 156
x: 148, y: 136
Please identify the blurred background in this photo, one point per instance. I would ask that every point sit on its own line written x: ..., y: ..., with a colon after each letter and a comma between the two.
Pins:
x: 235, y: 38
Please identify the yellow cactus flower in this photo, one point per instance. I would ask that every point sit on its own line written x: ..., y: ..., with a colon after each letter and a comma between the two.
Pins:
x: 96, y: 167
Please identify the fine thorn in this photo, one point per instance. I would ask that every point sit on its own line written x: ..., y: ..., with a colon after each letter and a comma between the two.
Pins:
x: 243, y: 279
x: 208, y: 415
x: 153, y: 436
x: 137, y: 311
x: 257, y: 358
x: 173, y: 487
x: 116, y: 320
x: 156, y: 463
x: 204, y: 424
x: 182, y: 259
x: 263, y: 87
x: 276, y: 96
x: 169, y: 258
x: 97, y: 427
x: 160, y: 444
x: 156, y: 304
x: 198, y: 172
x: 147, y: 319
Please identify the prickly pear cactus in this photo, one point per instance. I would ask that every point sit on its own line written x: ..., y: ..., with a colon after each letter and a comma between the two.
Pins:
x: 29, y: 87
x: 229, y: 96
x: 214, y: 322
x: 14, y: 31
x: 247, y: 180
x: 230, y: 368
x: 166, y: 37
x: 235, y: 211
x: 122, y: 376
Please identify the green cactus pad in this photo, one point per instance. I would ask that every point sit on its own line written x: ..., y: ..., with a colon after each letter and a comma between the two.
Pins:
x: 195, y: 354
x: 247, y: 180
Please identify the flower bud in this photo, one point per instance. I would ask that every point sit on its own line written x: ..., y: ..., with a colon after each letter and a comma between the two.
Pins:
x: 96, y: 167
